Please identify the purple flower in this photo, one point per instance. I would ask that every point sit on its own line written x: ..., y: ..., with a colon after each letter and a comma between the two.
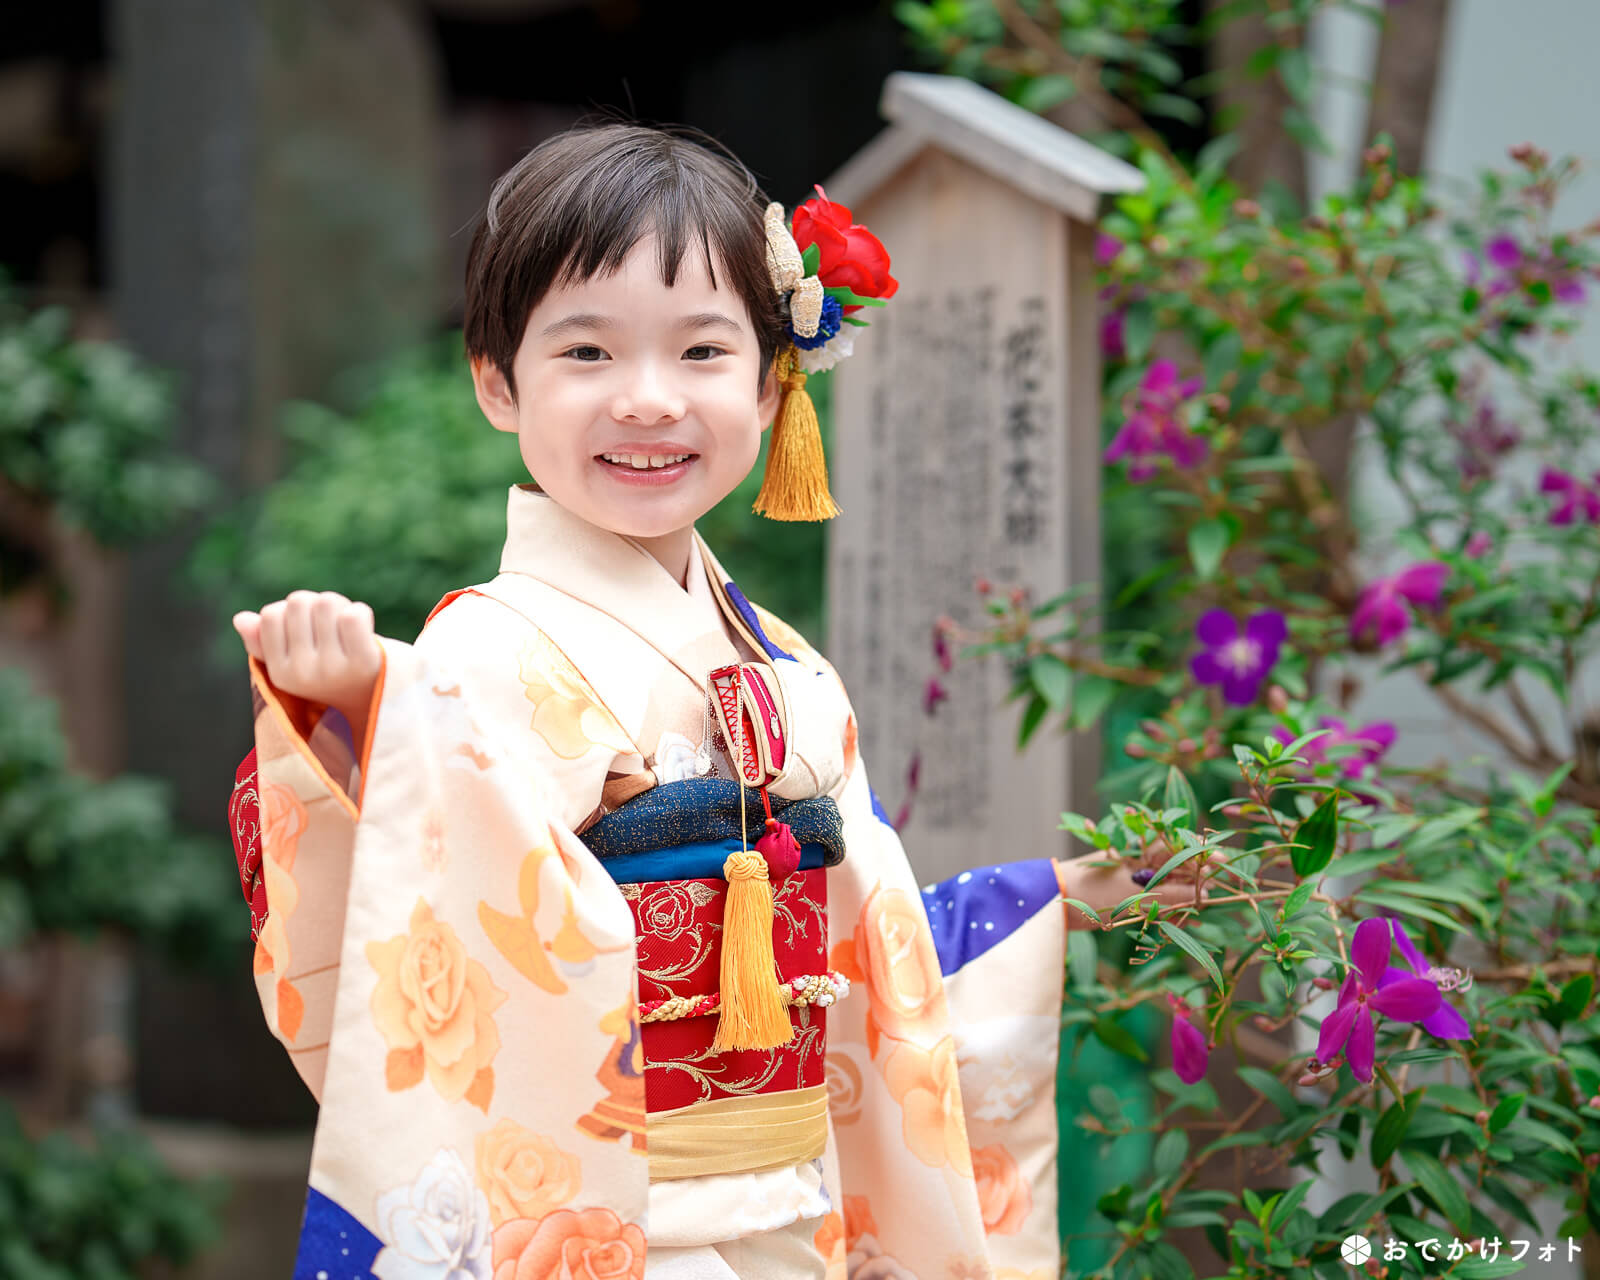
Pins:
x: 933, y: 695
x: 1156, y: 425
x: 1189, y: 1052
x: 1239, y: 663
x: 1477, y: 545
x: 1574, y: 494
x: 941, y: 646
x: 1106, y: 249
x: 1447, y: 1023
x: 1521, y: 270
x: 1372, y: 740
x: 1483, y: 441
x: 1383, y: 605
x: 1350, y: 1026
x: 1113, y: 332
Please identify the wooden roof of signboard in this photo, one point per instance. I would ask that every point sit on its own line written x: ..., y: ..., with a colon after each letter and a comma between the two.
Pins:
x: 1018, y: 148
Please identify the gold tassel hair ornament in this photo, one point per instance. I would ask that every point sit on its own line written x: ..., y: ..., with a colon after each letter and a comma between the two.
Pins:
x: 795, y: 483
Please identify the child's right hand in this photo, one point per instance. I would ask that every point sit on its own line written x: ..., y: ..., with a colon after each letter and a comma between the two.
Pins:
x: 317, y: 645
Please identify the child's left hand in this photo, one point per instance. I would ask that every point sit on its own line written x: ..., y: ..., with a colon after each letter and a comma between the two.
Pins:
x: 1102, y: 887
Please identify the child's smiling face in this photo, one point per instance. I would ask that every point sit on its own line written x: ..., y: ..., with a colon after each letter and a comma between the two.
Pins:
x: 626, y: 366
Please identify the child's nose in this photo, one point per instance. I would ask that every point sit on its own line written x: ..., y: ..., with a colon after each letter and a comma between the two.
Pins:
x: 648, y: 396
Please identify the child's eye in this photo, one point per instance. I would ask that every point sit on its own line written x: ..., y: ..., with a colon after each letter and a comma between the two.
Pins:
x: 586, y: 352
x: 705, y: 351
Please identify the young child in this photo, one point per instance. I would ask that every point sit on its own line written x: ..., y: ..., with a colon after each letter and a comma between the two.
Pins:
x: 561, y: 984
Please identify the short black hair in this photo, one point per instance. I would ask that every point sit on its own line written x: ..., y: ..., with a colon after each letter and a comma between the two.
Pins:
x: 575, y: 206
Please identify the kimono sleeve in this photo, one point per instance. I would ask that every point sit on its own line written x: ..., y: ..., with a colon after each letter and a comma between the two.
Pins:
x: 959, y: 1032
x: 451, y: 968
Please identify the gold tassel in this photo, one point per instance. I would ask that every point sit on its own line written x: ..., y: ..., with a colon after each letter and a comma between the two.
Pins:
x: 795, y: 483
x: 752, y: 1014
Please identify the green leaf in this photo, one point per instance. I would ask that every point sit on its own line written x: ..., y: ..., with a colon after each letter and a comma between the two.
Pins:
x: 1031, y: 719
x: 1091, y: 695
x: 1043, y: 92
x: 1294, y: 67
x: 1293, y: 904
x: 1052, y: 679
x: 1119, y: 1039
x: 1170, y: 1153
x: 1290, y: 1202
x: 1272, y: 1089
x: 1320, y: 835
x: 1442, y: 1186
x: 1189, y: 944
x: 1386, y: 1134
x: 1505, y: 1111
x: 1180, y: 795
x: 1138, y: 330
x: 1575, y: 997
x: 1208, y: 541
x: 1086, y: 909
x: 1222, y: 357
x: 811, y: 259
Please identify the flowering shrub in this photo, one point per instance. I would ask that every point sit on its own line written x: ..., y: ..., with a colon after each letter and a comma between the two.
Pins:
x: 1396, y: 962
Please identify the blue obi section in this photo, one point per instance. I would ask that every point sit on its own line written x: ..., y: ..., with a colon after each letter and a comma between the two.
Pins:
x: 749, y: 615
x: 333, y: 1245
x: 971, y: 912
x: 697, y: 822
x: 690, y: 862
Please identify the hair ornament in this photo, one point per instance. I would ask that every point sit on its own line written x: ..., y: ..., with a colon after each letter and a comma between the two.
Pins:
x: 826, y: 269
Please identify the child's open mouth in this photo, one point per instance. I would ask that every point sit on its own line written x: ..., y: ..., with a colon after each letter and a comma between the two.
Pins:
x: 637, y: 469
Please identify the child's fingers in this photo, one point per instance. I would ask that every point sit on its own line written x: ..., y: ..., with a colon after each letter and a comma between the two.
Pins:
x: 356, y: 632
x: 299, y: 635
x: 248, y: 624
x: 274, y: 638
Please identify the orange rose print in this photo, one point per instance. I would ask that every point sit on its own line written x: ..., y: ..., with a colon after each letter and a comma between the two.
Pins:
x: 894, y: 950
x: 432, y: 1006
x: 843, y: 1078
x: 283, y: 822
x: 925, y: 1084
x: 857, y: 1223
x: 1003, y: 1193
x: 566, y: 712
x: 851, y: 742
x: 593, y: 1244
x: 523, y: 1174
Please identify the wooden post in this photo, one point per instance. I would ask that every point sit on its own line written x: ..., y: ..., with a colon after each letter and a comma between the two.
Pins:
x: 967, y: 443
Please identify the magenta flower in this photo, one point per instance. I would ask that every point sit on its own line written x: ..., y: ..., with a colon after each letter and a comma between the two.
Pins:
x: 1483, y: 442
x: 1350, y: 1026
x: 1447, y: 1023
x: 1372, y: 740
x: 1239, y: 663
x: 932, y: 695
x: 1477, y: 545
x: 941, y: 646
x: 1383, y: 605
x: 1156, y: 425
x: 1113, y: 327
x: 1573, y: 496
x: 1189, y: 1052
x: 1106, y: 249
x: 1520, y: 269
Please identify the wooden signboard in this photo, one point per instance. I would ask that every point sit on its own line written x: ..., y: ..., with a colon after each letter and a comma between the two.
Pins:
x: 966, y: 442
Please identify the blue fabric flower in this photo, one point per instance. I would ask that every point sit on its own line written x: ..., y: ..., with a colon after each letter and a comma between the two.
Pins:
x: 832, y: 317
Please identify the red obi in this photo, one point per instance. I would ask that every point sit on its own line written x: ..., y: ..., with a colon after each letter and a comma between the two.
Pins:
x: 679, y: 929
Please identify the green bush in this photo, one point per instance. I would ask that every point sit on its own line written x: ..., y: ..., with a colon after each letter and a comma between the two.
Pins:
x: 403, y: 499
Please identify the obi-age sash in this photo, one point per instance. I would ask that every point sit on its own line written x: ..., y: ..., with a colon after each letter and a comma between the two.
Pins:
x: 711, y: 1111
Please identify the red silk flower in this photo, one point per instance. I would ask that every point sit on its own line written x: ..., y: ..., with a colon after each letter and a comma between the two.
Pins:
x: 851, y: 257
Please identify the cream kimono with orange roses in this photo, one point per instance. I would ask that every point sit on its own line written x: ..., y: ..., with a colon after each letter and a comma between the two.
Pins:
x: 453, y: 971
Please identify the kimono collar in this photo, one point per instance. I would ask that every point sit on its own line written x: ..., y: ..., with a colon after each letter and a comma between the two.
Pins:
x: 616, y: 575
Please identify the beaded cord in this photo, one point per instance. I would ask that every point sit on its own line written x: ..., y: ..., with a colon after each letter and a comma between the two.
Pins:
x: 820, y: 989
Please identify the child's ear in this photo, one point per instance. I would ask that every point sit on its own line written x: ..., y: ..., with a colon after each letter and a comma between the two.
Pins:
x: 494, y: 394
x: 771, y: 394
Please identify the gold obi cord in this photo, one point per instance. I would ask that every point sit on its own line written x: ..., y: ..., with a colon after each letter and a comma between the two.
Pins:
x: 738, y: 1135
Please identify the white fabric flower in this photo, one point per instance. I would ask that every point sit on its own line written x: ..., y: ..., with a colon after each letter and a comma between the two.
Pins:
x: 830, y: 352
x: 675, y: 757
x: 437, y: 1228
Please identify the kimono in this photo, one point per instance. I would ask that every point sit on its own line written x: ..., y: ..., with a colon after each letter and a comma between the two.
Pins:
x: 474, y: 991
